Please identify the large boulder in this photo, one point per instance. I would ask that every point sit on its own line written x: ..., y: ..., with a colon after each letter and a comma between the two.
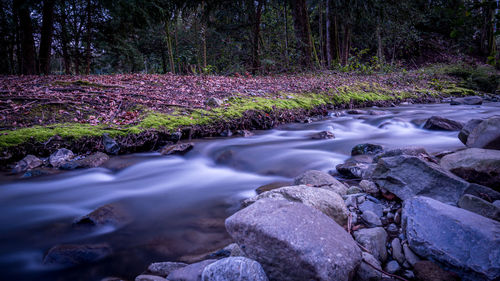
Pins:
x: 442, y: 124
x: 320, y: 179
x: 293, y: 241
x: 463, y: 135
x: 475, y: 165
x: 408, y: 176
x: 374, y: 240
x: 486, y: 134
x: 483, y: 192
x: 326, y: 201
x: 467, y: 243
x: 72, y: 255
x: 479, y: 206
x: 234, y: 269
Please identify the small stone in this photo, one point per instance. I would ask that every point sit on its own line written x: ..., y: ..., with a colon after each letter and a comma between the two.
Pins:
x: 366, y: 272
x: 271, y: 186
x: 360, y: 199
x: 226, y: 133
x: 397, y: 217
x: 371, y: 219
x: 350, y: 201
x: 408, y: 274
x: 244, y: 133
x: 374, y: 240
x: 164, y: 268
x: 392, y: 267
x: 353, y: 190
x: 397, y: 251
x: 145, y: 277
x: 371, y: 206
x: 369, y: 187
x: 390, y: 216
x: 213, y: 102
x: 191, y: 272
x: 234, y: 250
x: 392, y: 229
x: 440, y: 123
x: 109, y: 214
x: 410, y: 257
x: 180, y: 148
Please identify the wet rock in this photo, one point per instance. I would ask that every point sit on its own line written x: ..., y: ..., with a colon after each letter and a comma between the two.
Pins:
x: 91, y: 161
x: 371, y: 219
x: 293, y: 241
x: 466, y: 242
x: 27, y: 163
x: 371, y: 206
x: 110, y: 145
x: 71, y: 255
x: 271, y: 186
x: 146, y: 277
x: 397, y: 251
x: 356, y: 111
x: 180, y: 148
x: 463, y: 135
x: 479, y: 206
x: 323, y: 135
x: 226, y: 133
x: 408, y: 151
x: 369, y: 187
x: 410, y: 256
x: 191, y: 272
x: 374, y: 240
x: 472, y: 100
x: 164, y: 268
x: 367, y: 273
x: 366, y: 148
x: 60, y: 157
x: 213, y: 102
x: 234, y: 268
x: 109, y: 214
x: 442, y: 124
x: 475, y: 165
x: 427, y: 270
x: 359, y: 166
x: 486, y: 134
x: 326, y: 201
x: 244, y: 133
x: 320, y: 179
x: 408, y: 176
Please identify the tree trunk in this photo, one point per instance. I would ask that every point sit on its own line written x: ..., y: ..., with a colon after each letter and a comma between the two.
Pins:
x: 170, y: 49
x: 346, y: 42
x: 28, y: 61
x: 380, y: 49
x: 286, y: 34
x: 46, y: 36
x: 320, y: 27
x: 64, y: 40
x: 256, y: 35
x: 88, y: 50
x: 301, y: 24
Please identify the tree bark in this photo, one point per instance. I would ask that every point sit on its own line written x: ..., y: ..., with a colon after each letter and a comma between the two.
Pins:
x: 380, y: 48
x: 46, y: 36
x: 256, y: 35
x: 64, y: 39
x: 88, y: 49
x: 28, y: 61
x: 301, y: 24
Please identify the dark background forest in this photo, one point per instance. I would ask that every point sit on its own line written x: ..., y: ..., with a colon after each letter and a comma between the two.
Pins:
x: 241, y: 36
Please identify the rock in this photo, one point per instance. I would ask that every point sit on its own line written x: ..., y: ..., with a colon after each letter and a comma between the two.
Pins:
x: 356, y: 111
x: 472, y: 100
x: 497, y: 203
x: 326, y: 201
x: 71, y: 255
x: 91, y: 161
x: 191, y: 272
x: 234, y: 250
x: 37, y: 172
x: 366, y: 148
x: 392, y: 267
x: 466, y: 242
x: 369, y: 187
x: 374, y: 240
x: 213, y: 102
x: 320, y: 179
x: 442, y: 124
x: 109, y: 214
x: 359, y: 166
x: 146, y: 277
x: 475, y: 165
x: 427, y: 270
x: 323, y: 135
x: 483, y: 192
x: 463, y: 135
x: 234, y: 269
x: 410, y: 256
x: 244, y: 133
x: 164, y: 268
x: 226, y: 133
x: 110, y: 145
x: 479, y: 206
x: 354, y: 190
x: 60, y: 157
x: 180, y: 148
x: 111, y: 278
x: 408, y: 176
x: 409, y: 151
x: 486, y: 134
x: 408, y: 274
x: 371, y: 206
x: 293, y: 241
x: 367, y: 273
x: 271, y: 186
x: 371, y: 219
x: 27, y: 163
x: 397, y: 251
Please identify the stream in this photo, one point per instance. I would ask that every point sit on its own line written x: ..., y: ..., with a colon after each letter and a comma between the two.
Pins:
x: 177, y: 204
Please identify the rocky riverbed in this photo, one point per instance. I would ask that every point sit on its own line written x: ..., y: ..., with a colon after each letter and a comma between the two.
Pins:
x: 382, y: 214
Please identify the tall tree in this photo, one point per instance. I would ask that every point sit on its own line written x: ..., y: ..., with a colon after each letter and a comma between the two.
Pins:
x: 257, y: 11
x: 46, y: 36
x: 302, y: 31
x: 28, y: 60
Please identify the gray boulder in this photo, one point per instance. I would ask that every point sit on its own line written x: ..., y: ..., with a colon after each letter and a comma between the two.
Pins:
x: 61, y: 156
x: 483, y: 192
x: 442, y: 124
x: 326, y: 201
x: 475, y: 165
x: 164, y: 268
x: 486, y: 134
x: 463, y: 135
x: 368, y: 187
x: 359, y: 166
x: 320, y: 179
x: 192, y: 272
x: 479, y: 206
x: 374, y: 240
x: 72, y: 255
x: 408, y: 176
x: 293, y: 241
x: 234, y: 269
x: 371, y: 206
x: 467, y: 243
x: 27, y: 163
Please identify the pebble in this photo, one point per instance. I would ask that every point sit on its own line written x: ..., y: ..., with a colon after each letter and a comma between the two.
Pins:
x: 411, y: 258
x: 397, y: 251
x: 392, y: 267
x: 371, y: 219
x: 392, y: 229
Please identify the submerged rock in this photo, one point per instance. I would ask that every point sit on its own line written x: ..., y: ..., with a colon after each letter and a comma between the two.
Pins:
x: 467, y: 243
x: 442, y: 124
x: 60, y: 157
x: 486, y: 134
x: 27, y: 163
x: 234, y: 269
x: 293, y: 241
x: 323, y: 135
x: 366, y: 148
x: 180, y: 148
x: 109, y: 214
x: 71, y: 255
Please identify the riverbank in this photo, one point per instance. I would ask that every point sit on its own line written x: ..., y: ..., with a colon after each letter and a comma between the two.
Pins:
x: 146, y: 112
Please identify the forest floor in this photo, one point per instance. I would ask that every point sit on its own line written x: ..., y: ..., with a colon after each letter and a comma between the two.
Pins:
x: 35, y: 108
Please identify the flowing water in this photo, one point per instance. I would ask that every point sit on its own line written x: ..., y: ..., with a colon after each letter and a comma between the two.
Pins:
x: 177, y: 205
